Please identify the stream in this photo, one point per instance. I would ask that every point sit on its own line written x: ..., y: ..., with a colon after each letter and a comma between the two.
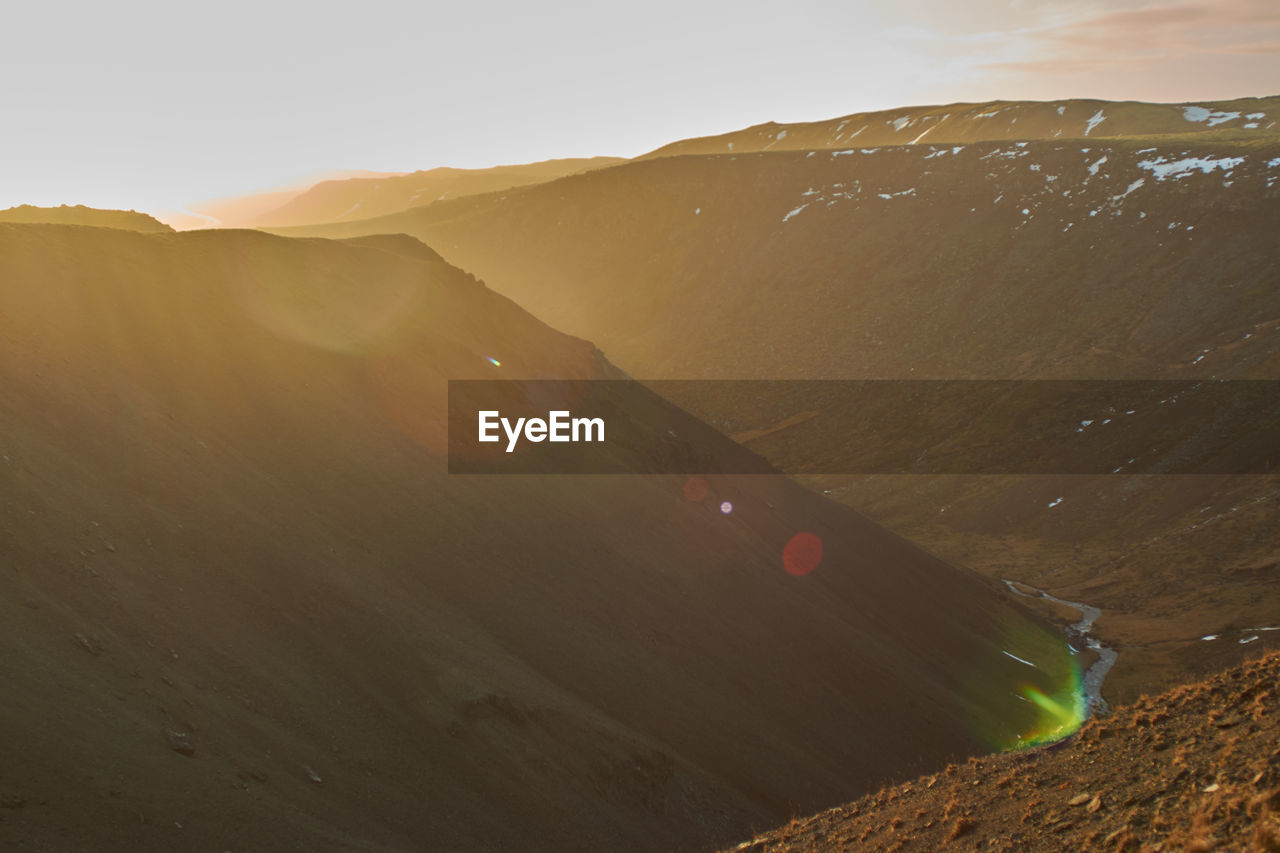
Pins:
x: 1079, y: 632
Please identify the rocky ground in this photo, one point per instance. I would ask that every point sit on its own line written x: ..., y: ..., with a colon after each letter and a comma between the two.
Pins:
x: 1194, y: 769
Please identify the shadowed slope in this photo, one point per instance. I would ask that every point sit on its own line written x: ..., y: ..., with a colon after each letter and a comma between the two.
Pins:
x: 244, y: 606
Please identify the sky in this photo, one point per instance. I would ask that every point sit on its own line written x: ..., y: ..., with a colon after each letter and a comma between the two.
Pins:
x: 156, y: 105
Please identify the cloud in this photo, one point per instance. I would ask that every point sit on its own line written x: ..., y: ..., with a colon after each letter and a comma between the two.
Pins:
x: 1159, y: 32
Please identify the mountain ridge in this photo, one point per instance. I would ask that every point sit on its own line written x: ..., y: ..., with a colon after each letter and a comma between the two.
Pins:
x: 973, y: 122
x: 130, y: 220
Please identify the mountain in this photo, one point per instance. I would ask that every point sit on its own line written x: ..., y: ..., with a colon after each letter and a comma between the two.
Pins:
x: 78, y: 214
x: 244, y: 604
x: 245, y: 210
x: 360, y: 198
x: 997, y: 121
x: 1146, y: 257
x: 904, y: 262
x: 1193, y: 768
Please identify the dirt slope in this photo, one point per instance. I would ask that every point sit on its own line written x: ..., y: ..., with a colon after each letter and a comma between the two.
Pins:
x: 1194, y: 769
x: 243, y: 606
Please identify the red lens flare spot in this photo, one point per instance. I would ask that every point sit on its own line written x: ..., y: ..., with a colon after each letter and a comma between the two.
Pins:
x: 696, y: 489
x: 802, y: 554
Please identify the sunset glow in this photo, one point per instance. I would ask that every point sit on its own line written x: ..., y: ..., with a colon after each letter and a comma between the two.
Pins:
x: 157, y: 121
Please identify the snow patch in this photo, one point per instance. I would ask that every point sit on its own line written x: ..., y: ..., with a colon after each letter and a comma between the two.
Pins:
x: 1097, y: 119
x: 1133, y: 186
x: 1211, y: 117
x: 923, y: 134
x: 1176, y: 169
x: 794, y: 212
x: 1020, y: 660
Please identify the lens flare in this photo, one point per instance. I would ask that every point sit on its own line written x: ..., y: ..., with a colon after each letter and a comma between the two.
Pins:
x: 802, y: 554
x: 1027, y: 691
x: 1061, y: 709
x: 696, y: 489
x: 494, y: 362
x: 1054, y: 708
x: 726, y: 507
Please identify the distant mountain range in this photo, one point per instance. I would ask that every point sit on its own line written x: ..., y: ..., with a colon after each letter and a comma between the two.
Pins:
x: 374, y: 194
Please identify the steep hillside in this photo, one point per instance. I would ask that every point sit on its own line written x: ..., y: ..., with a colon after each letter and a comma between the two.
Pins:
x: 352, y: 199
x: 997, y: 121
x: 1196, y: 768
x: 80, y: 215
x: 1149, y: 258
x: 244, y: 607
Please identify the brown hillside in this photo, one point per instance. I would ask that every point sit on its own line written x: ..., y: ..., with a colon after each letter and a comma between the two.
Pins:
x: 244, y: 607
x: 996, y: 121
x: 1147, y: 257
x: 129, y: 220
x: 1194, y: 769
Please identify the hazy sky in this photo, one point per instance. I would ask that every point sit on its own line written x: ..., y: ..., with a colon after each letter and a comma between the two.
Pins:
x: 152, y: 105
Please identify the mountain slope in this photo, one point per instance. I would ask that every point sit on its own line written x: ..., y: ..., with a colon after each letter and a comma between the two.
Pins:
x: 997, y: 121
x: 243, y: 605
x: 1148, y: 258
x: 1195, y: 768
x: 924, y: 252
